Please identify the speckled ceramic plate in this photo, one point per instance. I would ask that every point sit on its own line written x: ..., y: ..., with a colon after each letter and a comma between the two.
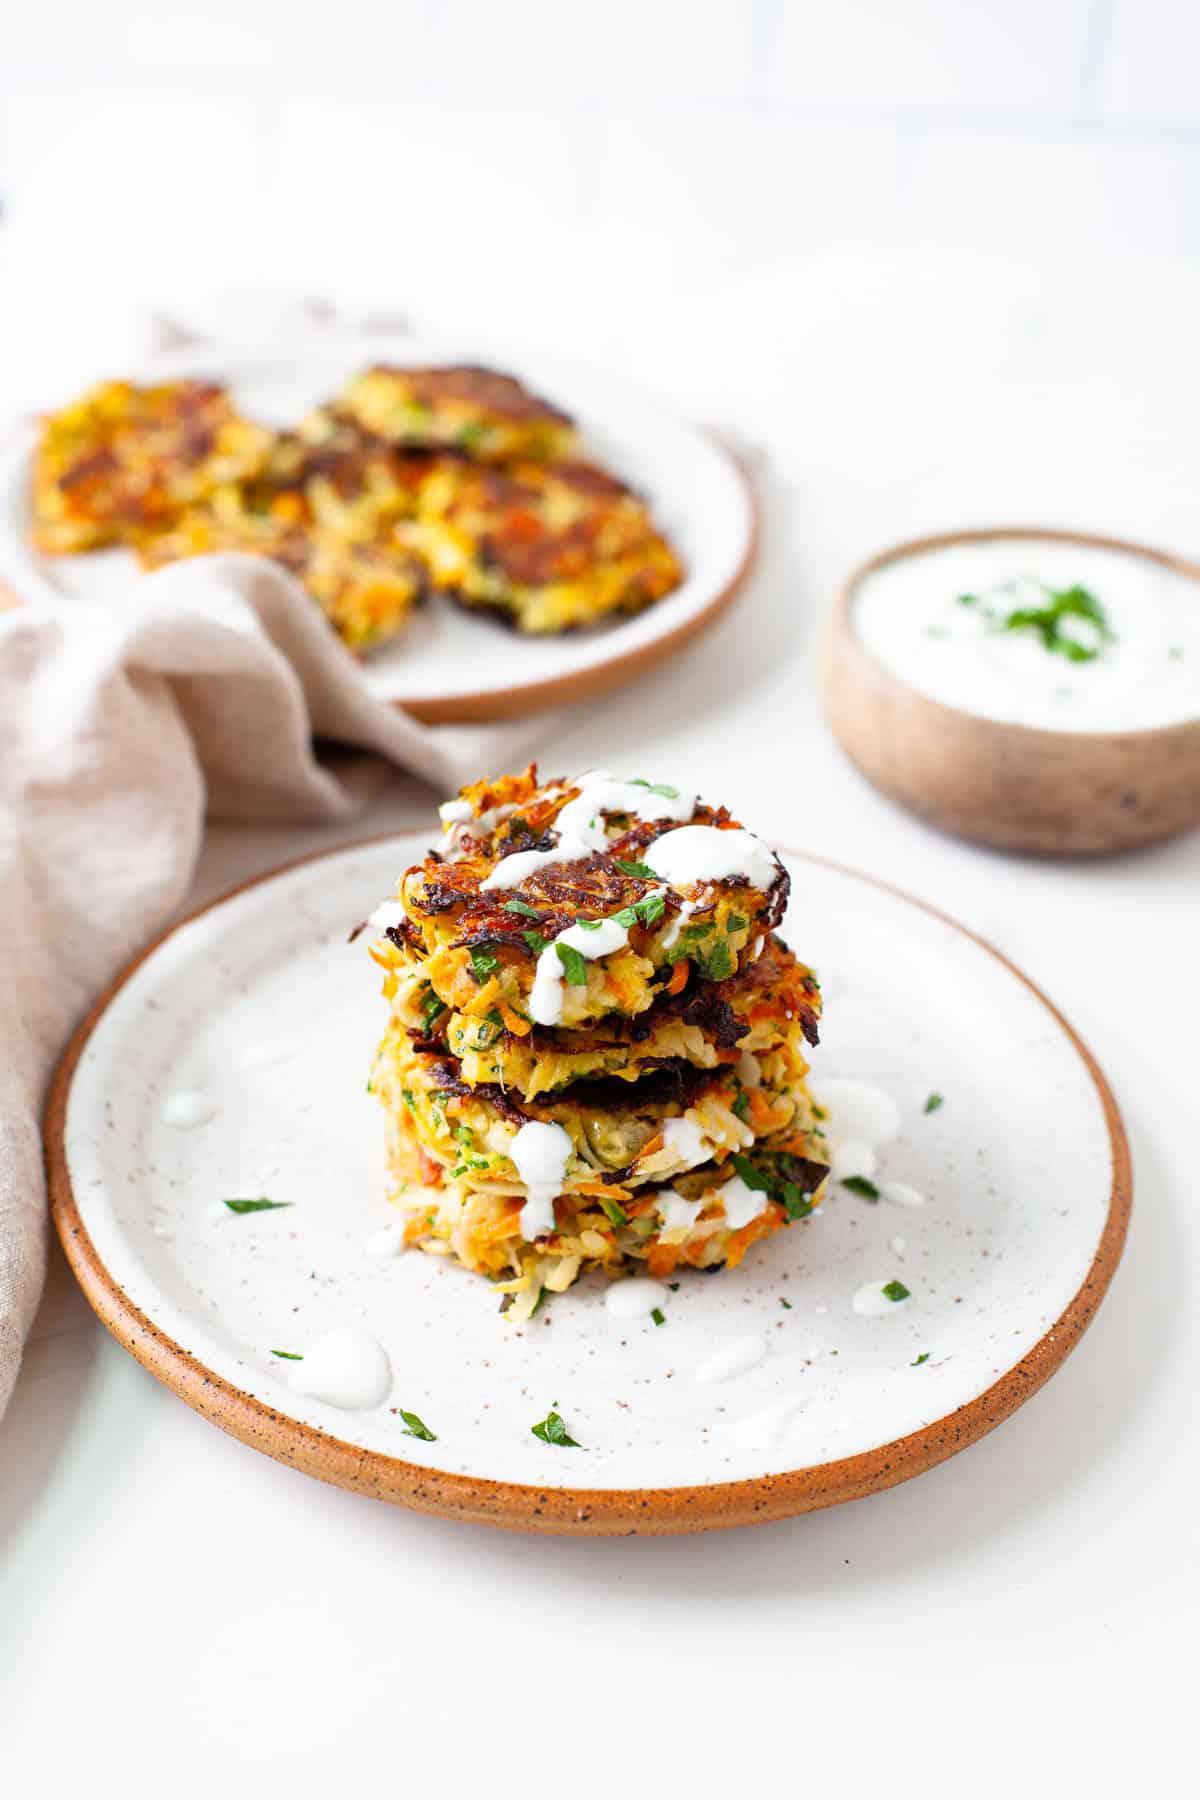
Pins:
x: 259, y: 1004
x: 451, y: 664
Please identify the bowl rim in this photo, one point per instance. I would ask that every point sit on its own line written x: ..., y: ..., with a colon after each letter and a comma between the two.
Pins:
x: 842, y: 626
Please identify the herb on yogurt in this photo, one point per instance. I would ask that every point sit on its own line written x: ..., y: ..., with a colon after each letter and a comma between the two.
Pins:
x: 574, y: 967
x: 551, y: 1430
x: 1070, y: 622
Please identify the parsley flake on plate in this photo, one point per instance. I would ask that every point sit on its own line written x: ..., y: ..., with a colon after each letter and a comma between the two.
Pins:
x: 253, y: 1206
x: 933, y: 1102
x: 858, y: 1184
x: 288, y: 1355
x: 551, y: 1430
x: 895, y: 1290
x: 416, y: 1427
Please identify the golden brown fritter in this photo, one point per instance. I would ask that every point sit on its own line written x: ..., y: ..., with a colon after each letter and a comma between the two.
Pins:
x: 546, y: 547
x: 490, y: 416
x: 124, y: 460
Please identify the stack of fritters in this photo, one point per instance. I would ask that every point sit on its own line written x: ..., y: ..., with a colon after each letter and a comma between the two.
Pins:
x: 657, y: 1027
x: 411, y: 480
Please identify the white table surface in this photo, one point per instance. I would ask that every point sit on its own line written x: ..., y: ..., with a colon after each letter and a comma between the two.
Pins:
x: 176, y: 1609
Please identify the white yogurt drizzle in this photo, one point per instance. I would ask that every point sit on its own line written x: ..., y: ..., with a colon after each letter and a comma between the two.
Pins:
x: 580, y: 824
x: 635, y: 1298
x: 388, y: 1241
x: 347, y: 1368
x: 549, y: 981
x: 677, y: 924
x: 733, y: 1359
x: 686, y: 1139
x: 872, y: 1303
x: 900, y: 1194
x: 861, y: 1119
x: 462, y: 826
x: 386, y: 914
x: 742, y: 1203
x: 677, y: 1213
x: 188, y: 1108
x: 540, y: 1153
x: 698, y: 853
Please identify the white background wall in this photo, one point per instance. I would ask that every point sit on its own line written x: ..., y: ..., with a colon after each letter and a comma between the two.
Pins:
x: 541, y: 159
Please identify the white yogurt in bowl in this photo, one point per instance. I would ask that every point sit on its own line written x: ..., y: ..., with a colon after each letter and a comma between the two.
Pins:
x: 1137, y: 671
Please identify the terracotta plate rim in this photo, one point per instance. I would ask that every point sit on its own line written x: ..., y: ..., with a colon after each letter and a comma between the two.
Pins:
x: 581, y: 1511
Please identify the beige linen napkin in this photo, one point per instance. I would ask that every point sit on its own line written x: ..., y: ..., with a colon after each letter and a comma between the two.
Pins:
x: 119, y: 730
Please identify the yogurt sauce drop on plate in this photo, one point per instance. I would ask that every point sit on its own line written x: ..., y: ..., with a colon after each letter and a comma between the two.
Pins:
x: 861, y: 1119
x: 187, y: 1108
x: 907, y: 614
x: 635, y: 1297
x: 347, y: 1368
x: 734, y: 1359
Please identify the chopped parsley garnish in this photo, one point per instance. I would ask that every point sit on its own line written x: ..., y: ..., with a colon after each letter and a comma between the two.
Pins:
x: 895, y: 1290
x: 674, y: 1286
x: 658, y: 1315
x: 639, y: 870
x: 593, y: 924
x: 858, y: 1184
x: 535, y: 940
x: 1047, y: 621
x: 657, y: 787
x: 574, y: 967
x: 472, y: 432
x: 649, y: 908
x: 523, y: 907
x: 627, y: 917
x: 784, y: 1180
x: 539, y: 1302
x: 718, y: 963
x: 918, y: 1360
x: 431, y: 1010
x: 933, y: 1102
x: 416, y: 1427
x: 735, y: 922
x: 785, y: 1303
x: 464, y: 1134
x: 614, y: 1210
x: 551, y: 1430
x: 741, y: 1106
x: 483, y: 963
x: 250, y: 1206
x: 288, y: 1355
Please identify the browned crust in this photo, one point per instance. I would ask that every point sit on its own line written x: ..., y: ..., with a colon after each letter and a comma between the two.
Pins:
x: 573, y: 1511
